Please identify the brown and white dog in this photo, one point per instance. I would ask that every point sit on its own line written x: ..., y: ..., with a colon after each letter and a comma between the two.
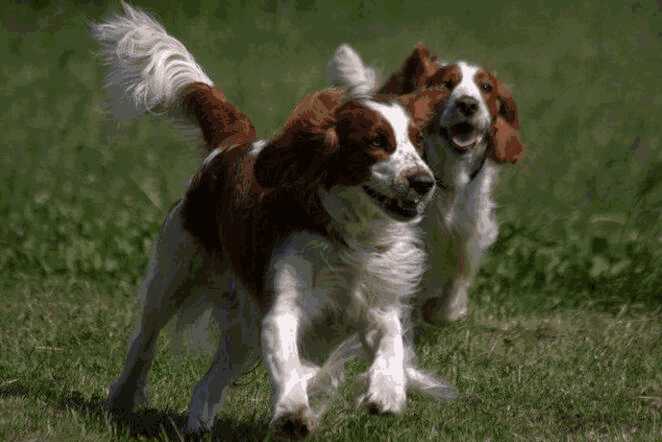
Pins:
x: 465, y: 145
x: 304, y: 243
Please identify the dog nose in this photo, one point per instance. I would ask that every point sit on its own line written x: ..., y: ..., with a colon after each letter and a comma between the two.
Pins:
x: 422, y: 183
x: 467, y: 105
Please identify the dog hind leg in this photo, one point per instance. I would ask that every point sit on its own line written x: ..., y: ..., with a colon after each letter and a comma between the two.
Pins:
x: 238, y: 348
x: 161, y: 293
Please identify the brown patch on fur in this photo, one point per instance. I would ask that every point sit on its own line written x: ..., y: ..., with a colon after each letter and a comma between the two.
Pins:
x: 222, y: 124
x: 505, y: 143
x: 244, y: 205
x: 228, y: 211
x: 507, y: 106
x: 487, y: 85
x: 308, y: 136
x: 364, y: 138
x: 447, y: 76
x: 326, y: 142
x: 414, y: 73
x: 422, y: 106
x: 420, y: 71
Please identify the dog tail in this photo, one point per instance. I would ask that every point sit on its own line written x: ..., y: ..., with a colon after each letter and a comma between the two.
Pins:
x: 347, y: 70
x: 151, y: 71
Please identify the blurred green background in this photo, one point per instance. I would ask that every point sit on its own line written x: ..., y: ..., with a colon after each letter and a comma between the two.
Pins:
x: 81, y: 197
x: 580, y: 215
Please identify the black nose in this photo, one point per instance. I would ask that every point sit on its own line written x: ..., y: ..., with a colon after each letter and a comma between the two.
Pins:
x: 422, y: 183
x: 467, y: 105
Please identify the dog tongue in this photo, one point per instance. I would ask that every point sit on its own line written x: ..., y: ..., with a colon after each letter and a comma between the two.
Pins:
x: 463, y: 135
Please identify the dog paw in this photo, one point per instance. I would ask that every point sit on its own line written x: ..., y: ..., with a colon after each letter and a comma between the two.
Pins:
x: 295, y: 424
x: 121, y: 399
x: 390, y: 401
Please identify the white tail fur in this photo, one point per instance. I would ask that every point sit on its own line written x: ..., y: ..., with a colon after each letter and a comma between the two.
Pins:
x: 148, y: 69
x: 346, y: 69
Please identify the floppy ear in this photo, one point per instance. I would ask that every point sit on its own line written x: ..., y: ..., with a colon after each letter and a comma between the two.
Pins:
x: 506, y: 146
x: 424, y: 105
x: 417, y: 69
x: 299, y: 154
x: 297, y: 161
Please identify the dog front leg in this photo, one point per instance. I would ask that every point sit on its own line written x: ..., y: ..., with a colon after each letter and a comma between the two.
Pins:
x: 292, y: 415
x: 281, y: 326
x: 387, y: 385
x: 448, y: 281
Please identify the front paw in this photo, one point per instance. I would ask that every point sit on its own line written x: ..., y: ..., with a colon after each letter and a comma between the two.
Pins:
x: 294, y: 424
x: 384, y: 400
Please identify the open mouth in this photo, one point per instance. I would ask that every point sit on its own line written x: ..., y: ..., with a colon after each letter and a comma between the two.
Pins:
x: 462, y: 136
x: 397, y: 209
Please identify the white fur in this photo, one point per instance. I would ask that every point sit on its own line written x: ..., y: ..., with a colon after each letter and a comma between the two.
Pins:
x: 148, y: 69
x: 327, y: 293
x: 388, y: 174
x: 330, y: 292
x: 468, y: 87
x: 257, y: 147
x: 210, y: 157
x: 460, y: 224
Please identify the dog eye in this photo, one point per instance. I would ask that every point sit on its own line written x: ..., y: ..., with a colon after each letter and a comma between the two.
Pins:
x: 448, y: 84
x: 379, y: 141
x: 486, y: 87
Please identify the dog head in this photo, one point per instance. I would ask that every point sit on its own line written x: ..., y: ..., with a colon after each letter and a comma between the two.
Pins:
x: 363, y: 153
x: 480, y: 115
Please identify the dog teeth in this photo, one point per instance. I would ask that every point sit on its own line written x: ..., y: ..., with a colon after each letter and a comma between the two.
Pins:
x: 404, y: 208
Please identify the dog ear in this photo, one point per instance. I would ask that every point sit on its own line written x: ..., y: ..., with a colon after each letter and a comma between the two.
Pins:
x: 506, y: 146
x: 416, y: 70
x: 423, y: 105
x: 507, y: 106
x: 298, y: 155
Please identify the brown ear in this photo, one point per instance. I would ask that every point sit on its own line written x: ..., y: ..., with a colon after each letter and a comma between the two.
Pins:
x: 424, y: 105
x: 507, y: 146
x: 298, y: 155
x: 507, y: 106
x: 417, y: 69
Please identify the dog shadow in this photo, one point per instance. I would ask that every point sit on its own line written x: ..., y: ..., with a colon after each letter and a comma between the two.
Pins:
x: 148, y: 423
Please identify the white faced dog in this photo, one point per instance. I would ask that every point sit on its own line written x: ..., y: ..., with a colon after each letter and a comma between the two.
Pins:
x: 465, y: 145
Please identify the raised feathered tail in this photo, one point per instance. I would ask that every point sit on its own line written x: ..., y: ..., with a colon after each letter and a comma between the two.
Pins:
x: 151, y: 71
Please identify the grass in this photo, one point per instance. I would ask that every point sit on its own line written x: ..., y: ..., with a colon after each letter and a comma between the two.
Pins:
x: 565, y: 339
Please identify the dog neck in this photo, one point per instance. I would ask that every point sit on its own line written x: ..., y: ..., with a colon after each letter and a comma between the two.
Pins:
x: 452, y: 172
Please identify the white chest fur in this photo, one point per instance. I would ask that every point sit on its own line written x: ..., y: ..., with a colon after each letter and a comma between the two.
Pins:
x: 333, y: 285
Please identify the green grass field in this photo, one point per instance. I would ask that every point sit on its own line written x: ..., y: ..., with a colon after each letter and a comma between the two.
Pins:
x: 564, y: 341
